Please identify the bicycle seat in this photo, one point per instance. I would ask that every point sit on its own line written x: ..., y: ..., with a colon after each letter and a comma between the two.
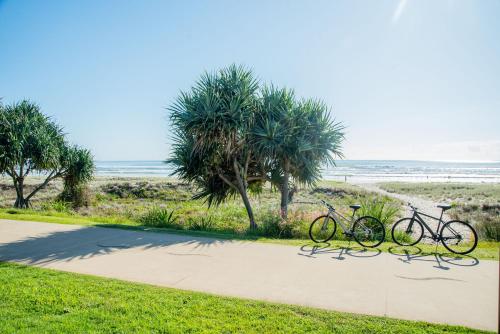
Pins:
x: 444, y: 206
x: 355, y: 206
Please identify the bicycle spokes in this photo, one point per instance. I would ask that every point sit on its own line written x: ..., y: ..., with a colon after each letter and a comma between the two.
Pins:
x: 458, y: 237
x: 368, y: 231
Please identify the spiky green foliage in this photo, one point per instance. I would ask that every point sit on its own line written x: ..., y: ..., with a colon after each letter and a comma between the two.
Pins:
x: 79, y: 171
x: 212, y: 123
x: 31, y: 142
x: 296, y: 137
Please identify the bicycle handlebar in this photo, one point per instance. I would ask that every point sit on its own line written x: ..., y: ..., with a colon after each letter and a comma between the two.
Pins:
x: 328, y: 205
x: 412, y: 207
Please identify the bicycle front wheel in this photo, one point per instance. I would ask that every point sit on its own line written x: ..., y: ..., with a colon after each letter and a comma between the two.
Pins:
x: 458, y: 237
x: 407, y: 232
x: 322, y: 229
x: 368, y: 231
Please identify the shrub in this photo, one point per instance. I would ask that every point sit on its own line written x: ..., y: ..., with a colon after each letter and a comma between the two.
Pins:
x: 57, y: 205
x: 78, y: 195
x: 273, y: 226
x: 201, y: 224
x: 488, y: 230
x: 381, y: 208
x: 159, y: 217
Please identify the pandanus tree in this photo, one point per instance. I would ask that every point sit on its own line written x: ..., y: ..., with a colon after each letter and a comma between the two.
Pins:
x: 79, y: 171
x: 296, y: 138
x: 212, y: 123
x: 31, y: 142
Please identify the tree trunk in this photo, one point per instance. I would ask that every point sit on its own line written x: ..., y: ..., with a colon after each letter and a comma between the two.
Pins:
x: 242, y: 189
x: 248, y: 207
x: 285, y: 191
x: 21, y: 202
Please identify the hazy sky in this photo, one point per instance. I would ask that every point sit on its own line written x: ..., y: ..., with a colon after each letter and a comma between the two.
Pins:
x: 410, y: 79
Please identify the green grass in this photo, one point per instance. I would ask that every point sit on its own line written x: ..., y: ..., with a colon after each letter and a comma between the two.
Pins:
x: 34, y: 300
x: 485, y: 250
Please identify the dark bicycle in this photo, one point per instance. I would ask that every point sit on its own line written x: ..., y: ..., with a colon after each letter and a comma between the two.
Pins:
x: 457, y: 236
x: 367, y: 231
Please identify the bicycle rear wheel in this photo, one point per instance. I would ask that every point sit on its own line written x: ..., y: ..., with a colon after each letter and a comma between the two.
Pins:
x: 368, y: 231
x: 458, y: 237
x: 322, y: 229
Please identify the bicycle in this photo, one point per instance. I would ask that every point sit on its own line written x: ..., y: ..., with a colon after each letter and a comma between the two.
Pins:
x: 367, y: 231
x: 457, y: 236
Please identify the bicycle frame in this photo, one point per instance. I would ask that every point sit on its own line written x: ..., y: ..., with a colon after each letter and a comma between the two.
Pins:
x: 334, y: 214
x: 417, y: 216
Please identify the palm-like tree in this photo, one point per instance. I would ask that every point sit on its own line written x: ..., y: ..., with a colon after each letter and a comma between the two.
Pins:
x: 79, y: 171
x: 212, y: 124
x: 31, y: 142
x: 296, y: 138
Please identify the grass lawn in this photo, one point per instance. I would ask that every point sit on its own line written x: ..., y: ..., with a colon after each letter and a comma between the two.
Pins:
x: 485, y: 250
x: 34, y: 300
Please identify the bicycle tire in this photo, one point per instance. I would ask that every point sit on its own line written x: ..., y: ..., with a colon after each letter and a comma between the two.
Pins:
x: 466, y: 225
x: 418, y: 237
x: 376, y: 227
x: 320, y: 220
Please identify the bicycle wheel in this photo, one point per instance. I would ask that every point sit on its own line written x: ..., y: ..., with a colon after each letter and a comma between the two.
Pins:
x: 407, y: 232
x: 322, y: 229
x: 368, y: 231
x: 458, y: 237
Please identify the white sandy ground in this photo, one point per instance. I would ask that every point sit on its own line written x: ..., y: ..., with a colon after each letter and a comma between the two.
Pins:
x: 440, y: 289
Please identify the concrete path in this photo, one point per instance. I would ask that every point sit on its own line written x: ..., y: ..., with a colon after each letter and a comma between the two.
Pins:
x: 434, y: 288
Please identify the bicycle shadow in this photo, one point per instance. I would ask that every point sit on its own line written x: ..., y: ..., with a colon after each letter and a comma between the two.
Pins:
x: 443, y: 261
x: 340, y: 253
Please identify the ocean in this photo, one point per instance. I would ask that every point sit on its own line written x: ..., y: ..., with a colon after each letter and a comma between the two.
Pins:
x: 356, y: 171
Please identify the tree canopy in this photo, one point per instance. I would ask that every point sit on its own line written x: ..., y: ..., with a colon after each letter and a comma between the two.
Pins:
x: 31, y: 142
x: 212, y: 123
x: 296, y: 138
x: 231, y: 135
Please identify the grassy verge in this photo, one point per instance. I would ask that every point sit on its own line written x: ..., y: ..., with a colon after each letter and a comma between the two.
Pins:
x: 484, y: 250
x: 48, y: 301
x: 168, y: 203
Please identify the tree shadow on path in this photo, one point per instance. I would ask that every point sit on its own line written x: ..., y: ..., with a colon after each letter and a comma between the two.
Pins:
x: 87, y: 242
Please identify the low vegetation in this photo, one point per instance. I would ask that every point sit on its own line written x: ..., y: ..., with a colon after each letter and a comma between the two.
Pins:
x: 475, y: 203
x: 168, y: 203
x: 49, y: 301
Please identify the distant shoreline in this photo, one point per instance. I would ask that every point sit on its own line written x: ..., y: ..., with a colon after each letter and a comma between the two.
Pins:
x: 353, y: 171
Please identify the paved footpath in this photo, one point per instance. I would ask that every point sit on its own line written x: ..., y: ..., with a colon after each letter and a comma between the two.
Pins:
x: 432, y: 288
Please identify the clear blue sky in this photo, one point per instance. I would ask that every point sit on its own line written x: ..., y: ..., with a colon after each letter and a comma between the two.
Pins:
x: 415, y: 79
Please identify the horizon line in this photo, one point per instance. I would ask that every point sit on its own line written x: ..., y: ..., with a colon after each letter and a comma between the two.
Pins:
x: 399, y: 160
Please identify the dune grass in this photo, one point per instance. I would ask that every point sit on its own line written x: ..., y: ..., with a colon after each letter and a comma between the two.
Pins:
x: 34, y: 300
